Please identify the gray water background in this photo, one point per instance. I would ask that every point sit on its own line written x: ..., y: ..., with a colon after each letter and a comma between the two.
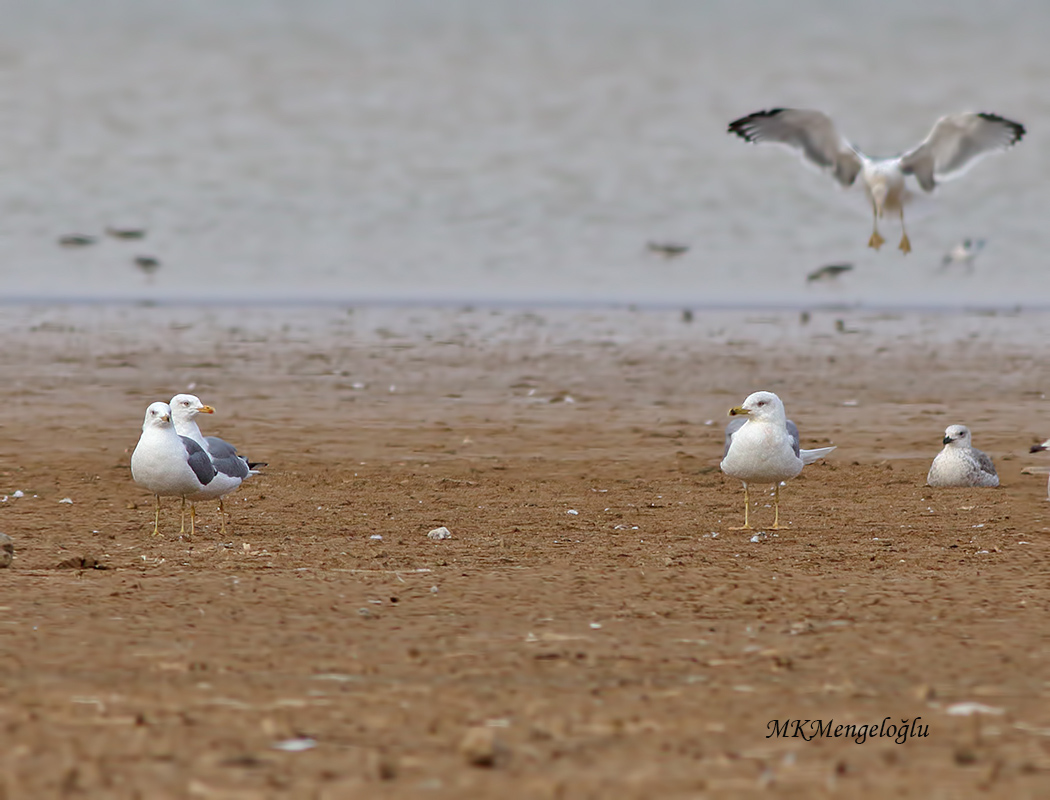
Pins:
x: 496, y: 151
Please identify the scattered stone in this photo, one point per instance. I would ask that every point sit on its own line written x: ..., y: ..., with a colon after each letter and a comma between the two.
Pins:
x: 7, y: 550
x: 68, y: 500
x: 440, y: 533
x: 297, y: 745
x: 81, y: 562
x: 381, y: 766
x: 481, y: 747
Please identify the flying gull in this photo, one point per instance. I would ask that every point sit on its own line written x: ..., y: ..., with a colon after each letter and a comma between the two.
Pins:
x: 960, y: 463
x: 231, y: 468
x: 169, y: 464
x: 955, y: 144
x: 764, y: 448
x: 963, y: 253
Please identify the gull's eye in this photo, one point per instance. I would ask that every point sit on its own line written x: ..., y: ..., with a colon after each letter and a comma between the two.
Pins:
x: 761, y: 403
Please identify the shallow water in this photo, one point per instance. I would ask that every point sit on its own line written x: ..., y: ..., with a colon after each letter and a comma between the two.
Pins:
x: 492, y: 151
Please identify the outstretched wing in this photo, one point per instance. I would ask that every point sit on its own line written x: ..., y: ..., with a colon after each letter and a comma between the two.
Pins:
x: 956, y: 143
x: 810, y: 133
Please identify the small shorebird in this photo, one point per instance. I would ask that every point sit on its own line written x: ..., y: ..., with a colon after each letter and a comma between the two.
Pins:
x: 147, y: 264
x: 963, y: 253
x: 76, y: 240
x: 828, y: 272
x: 955, y: 144
x: 126, y: 233
x: 668, y: 249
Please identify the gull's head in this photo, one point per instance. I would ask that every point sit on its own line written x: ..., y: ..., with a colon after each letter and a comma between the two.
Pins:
x: 158, y: 415
x: 957, y: 436
x: 185, y: 407
x: 760, y: 406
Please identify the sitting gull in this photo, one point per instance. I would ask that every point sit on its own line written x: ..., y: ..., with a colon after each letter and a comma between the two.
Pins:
x: 956, y: 143
x: 169, y: 464
x: 230, y: 467
x: 960, y: 463
x: 764, y: 448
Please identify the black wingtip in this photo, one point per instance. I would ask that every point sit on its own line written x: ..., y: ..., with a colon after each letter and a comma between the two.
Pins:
x: 254, y: 464
x: 741, y: 127
x: 1016, y: 128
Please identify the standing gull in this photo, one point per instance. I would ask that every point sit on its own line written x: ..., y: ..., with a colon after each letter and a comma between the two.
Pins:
x: 169, y: 464
x: 230, y: 467
x: 764, y: 448
x: 955, y: 144
x: 960, y: 463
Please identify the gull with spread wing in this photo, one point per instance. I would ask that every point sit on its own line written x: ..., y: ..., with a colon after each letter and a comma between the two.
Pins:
x: 955, y: 144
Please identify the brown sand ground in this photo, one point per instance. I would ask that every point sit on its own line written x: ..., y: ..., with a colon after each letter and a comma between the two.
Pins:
x: 593, y: 628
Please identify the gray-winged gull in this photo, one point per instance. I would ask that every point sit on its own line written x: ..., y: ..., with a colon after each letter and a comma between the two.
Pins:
x: 169, y: 464
x: 960, y: 463
x: 764, y: 448
x: 955, y: 144
x: 231, y: 468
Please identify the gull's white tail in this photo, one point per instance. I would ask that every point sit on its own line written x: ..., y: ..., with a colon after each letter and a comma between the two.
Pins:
x: 809, y: 456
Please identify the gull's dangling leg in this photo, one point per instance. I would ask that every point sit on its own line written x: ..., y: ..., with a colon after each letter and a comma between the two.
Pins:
x: 876, y: 241
x: 776, y: 507
x: 222, y: 517
x: 156, y: 516
x: 747, y: 508
x: 182, y: 528
x: 905, y: 244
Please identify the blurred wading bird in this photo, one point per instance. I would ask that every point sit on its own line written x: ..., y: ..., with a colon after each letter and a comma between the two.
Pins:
x: 828, y: 272
x: 956, y: 143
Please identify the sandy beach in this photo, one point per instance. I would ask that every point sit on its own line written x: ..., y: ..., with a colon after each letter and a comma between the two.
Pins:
x: 592, y: 628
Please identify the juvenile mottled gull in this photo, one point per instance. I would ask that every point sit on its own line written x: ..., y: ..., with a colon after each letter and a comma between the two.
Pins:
x: 169, y: 464
x: 960, y: 463
x: 764, y: 448
x: 230, y: 467
x: 955, y: 144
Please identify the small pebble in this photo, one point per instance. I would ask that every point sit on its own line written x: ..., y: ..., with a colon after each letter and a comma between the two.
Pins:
x: 296, y: 745
x: 440, y: 533
x: 7, y: 550
x: 480, y: 747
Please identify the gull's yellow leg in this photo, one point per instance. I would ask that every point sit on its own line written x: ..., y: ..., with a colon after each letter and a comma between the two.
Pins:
x: 222, y: 517
x: 776, y: 507
x: 905, y: 244
x: 182, y: 527
x: 876, y: 241
x: 747, y: 510
x: 156, y: 516
x: 193, y: 518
